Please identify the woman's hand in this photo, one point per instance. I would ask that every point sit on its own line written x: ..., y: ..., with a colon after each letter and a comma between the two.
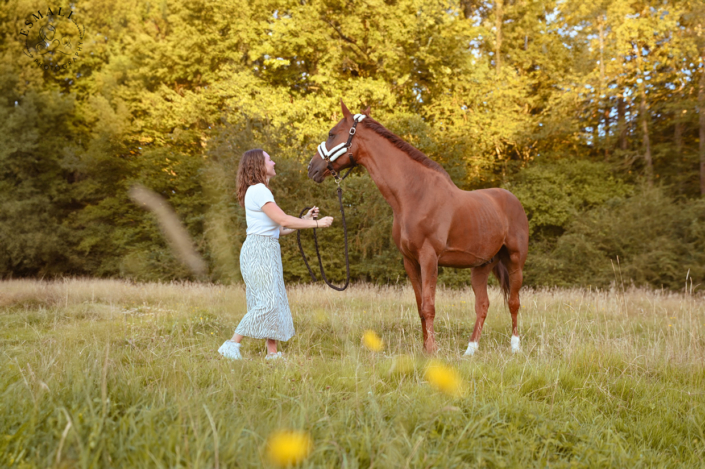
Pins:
x: 325, y: 222
x: 313, y: 212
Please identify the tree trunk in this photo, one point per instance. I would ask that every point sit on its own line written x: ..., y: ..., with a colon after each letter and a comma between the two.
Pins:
x: 701, y: 105
x: 647, y: 143
x: 621, y: 122
x: 600, y: 91
x: 498, y: 42
x: 468, y: 8
x: 602, y: 49
x: 644, y: 117
x: 678, y: 134
x: 607, y: 130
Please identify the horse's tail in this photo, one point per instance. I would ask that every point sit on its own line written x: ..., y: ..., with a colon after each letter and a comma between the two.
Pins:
x: 500, y: 271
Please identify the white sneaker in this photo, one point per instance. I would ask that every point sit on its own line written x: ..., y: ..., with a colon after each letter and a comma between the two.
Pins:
x: 273, y: 356
x: 231, y: 350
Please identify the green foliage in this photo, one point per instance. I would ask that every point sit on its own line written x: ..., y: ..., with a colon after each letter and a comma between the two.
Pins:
x: 555, y: 193
x: 648, y: 239
x: 525, y: 95
x: 35, y: 185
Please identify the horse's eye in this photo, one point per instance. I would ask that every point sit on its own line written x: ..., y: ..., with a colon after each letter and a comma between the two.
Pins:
x: 331, y: 135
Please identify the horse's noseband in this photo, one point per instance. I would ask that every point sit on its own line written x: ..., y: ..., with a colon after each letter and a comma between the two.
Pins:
x: 339, y: 150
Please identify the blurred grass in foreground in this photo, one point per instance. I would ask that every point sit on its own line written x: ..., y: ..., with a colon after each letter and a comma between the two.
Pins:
x: 100, y: 373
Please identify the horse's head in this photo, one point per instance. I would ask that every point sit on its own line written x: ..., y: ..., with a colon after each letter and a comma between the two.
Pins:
x: 334, y: 147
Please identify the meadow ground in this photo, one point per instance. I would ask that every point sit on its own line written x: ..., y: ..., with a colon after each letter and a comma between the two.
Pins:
x: 99, y: 373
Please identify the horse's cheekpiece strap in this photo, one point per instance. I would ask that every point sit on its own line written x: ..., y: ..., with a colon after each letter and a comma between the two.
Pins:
x: 339, y: 150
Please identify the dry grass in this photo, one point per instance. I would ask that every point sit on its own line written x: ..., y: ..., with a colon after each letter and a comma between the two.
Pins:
x: 109, y: 373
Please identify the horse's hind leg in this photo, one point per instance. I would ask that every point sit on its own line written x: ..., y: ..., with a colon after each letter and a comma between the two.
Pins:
x: 482, y: 304
x: 515, y: 264
x: 515, y: 281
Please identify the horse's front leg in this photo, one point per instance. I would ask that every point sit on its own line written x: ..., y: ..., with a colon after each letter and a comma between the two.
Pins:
x: 428, y: 262
x: 413, y: 270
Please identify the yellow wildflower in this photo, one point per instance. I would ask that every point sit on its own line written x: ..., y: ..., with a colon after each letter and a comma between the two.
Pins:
x: 287, y: 447
x: 372, y: 341
x: 444, y: 378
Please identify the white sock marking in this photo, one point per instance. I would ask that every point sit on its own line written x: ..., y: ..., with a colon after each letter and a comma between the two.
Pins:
x: 515, y: 344
x: 472, y: 347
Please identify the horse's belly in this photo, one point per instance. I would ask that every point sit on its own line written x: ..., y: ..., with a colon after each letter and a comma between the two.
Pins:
x: 461, y: 259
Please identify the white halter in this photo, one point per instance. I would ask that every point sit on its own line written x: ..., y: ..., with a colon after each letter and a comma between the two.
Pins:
x: 339, y: 150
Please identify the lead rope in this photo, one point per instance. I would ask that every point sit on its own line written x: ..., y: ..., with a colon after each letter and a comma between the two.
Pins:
x: 315, y: 238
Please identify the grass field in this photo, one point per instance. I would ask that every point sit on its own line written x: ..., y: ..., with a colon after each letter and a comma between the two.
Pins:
x: 113, y: 374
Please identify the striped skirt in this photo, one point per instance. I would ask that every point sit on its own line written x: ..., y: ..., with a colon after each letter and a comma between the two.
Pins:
x: 268, y: 314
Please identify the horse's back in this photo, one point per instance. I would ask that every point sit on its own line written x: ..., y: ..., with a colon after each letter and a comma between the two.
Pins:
x: 509, y: 209
x: 510, y: 204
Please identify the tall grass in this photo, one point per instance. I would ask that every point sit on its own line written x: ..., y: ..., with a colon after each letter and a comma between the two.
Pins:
x: 99, y: 373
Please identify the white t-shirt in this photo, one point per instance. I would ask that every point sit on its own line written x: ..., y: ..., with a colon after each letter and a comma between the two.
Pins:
x: 257, y: 221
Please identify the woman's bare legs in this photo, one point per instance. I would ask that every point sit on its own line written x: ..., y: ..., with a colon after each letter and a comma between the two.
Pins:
x: 271, y: 343
x: 236, y: 338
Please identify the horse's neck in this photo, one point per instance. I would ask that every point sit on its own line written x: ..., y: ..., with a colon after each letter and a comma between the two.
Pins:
x: 399, y: 178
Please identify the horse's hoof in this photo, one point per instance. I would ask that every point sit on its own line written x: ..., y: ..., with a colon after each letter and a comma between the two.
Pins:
x: 515, y: 344
x: 430, y: 347
x: 472, y: 348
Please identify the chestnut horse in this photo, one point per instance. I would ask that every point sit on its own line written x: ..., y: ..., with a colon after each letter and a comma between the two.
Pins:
x: 435, y: 222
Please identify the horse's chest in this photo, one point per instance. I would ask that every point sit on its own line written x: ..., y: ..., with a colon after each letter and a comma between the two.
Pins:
x: 410, y: 241
x: 401, y: 238
x: 407, y: 248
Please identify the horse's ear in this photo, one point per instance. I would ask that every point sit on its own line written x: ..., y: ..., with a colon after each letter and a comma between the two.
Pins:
x: 346, y: 112
x: 367, y: 112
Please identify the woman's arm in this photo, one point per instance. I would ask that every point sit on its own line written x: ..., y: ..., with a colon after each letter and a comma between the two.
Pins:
x: 273, y: 211
x: 312, y: 214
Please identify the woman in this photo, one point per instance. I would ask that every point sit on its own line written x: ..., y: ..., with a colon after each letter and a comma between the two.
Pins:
x: 268, y: 315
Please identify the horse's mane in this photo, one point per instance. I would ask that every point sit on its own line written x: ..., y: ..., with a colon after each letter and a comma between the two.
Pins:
x: 404, y: 146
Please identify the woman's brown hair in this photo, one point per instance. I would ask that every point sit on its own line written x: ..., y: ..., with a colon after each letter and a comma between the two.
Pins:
x: 251, y: 170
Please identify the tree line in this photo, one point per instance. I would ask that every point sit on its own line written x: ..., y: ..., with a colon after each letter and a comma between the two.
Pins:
x: 592, y: 113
